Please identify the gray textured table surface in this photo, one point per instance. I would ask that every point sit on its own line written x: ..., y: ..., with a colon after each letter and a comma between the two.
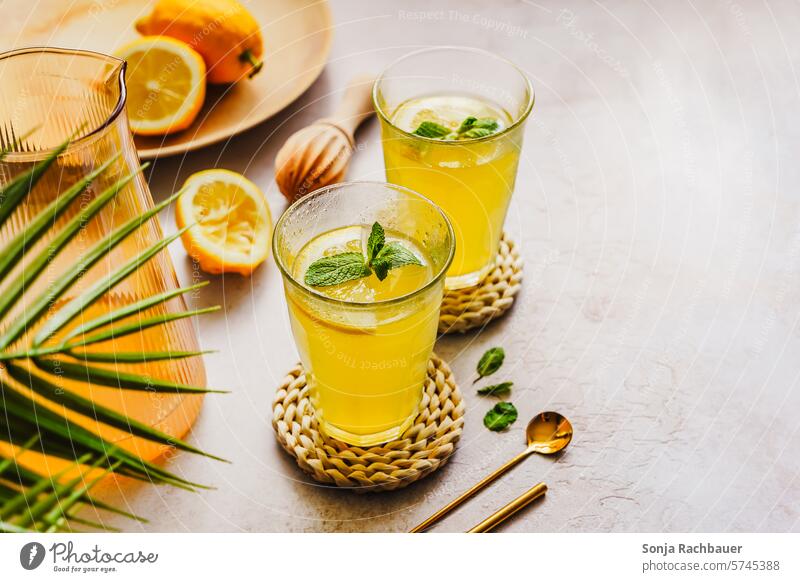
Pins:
x: 658, y: 214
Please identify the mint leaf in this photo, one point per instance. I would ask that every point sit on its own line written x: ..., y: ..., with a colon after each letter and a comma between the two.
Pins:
x: 381, y: 269
x: 490, y: 362
x: 486, y: 123
x: 336, y: 269
x: 470, y: 128
x: 496, y: 389
x: 501, y: 416
x: 375, y: 242
x: 432, y: 130
x: 478, y: 127
x: 467, y: 124
x: 380, y: 259
x: 476, y: 133
x: 398, y: 256
x: 392, y: 256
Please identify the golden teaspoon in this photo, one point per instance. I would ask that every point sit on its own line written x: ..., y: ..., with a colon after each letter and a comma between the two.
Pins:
x: 547, y: 433
x: 510, y: 509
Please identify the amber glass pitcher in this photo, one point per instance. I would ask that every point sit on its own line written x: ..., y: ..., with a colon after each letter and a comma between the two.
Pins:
x: 47, y: 96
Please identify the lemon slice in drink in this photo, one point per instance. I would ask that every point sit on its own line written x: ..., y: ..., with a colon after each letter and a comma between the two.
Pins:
x: 232, y: 222
x: 165, y: 79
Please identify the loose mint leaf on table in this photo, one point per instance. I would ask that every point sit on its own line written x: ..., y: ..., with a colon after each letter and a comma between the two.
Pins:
x: 490, y: 362
x: 496, y: 389
x: 432, y: 130
x: 380, y: 259
x: 501, y: 416
x: 336, y: 269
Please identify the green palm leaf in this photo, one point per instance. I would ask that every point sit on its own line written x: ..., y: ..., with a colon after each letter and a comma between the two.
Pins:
x: 37, y: 266
x: 130, y: 309
x: 135, y: 327
x: 82, y: 302
x: 117, y: 379
x: 86, y: 407
x: 15, y: 250
x: 133, y: 357
x: 18, y: 477
x: 34, y: 397
x: 63, y: 438
x: 19, y: 187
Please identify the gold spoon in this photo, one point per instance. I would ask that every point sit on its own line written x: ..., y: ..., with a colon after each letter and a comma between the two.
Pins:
x: 547, y: 433
x: 510, y: 509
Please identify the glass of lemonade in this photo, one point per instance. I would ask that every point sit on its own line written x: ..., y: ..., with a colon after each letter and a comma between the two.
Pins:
x: 365, y: 341
x: 470, y: 174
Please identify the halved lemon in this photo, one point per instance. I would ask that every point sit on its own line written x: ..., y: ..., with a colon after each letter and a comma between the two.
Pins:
x: 232, y: 220
x: 165, y: 79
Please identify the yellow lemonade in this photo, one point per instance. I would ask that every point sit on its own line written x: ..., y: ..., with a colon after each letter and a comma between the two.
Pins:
x: 470, y: 179
x: 366, y: 355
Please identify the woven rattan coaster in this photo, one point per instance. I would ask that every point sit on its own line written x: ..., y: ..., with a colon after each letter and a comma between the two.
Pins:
x: 423, y: 448
x: 466, y: 309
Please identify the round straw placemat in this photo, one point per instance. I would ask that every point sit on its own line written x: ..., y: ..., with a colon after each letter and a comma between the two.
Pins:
x: 465, y: 309
x: 423, y: 448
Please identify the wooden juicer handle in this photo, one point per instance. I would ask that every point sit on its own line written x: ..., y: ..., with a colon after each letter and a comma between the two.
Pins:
x: 355, y: 107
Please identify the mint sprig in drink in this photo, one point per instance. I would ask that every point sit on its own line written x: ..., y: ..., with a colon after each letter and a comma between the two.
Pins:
x: 363, y: 266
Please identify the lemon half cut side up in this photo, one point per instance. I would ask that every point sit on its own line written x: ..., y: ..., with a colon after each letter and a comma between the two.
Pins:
x: 165, y: 80
x: 231, y: 222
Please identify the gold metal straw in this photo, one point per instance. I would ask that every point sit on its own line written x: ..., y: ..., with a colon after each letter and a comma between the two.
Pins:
x: 507, y: 511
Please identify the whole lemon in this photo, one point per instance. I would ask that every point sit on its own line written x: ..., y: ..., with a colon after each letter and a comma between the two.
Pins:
x: 224, y: 33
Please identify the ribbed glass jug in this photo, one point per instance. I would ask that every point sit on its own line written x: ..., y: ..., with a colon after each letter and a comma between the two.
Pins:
x: 47, y: 96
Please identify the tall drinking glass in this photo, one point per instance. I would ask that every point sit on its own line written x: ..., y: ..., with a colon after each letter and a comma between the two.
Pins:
x: 365, y: 346
x: 471, y: 179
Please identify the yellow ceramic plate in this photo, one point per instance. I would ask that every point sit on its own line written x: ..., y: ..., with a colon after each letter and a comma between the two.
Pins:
x: 297, y: 37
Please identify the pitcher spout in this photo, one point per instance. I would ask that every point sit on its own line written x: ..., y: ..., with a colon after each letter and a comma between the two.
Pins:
x: 51, y: 95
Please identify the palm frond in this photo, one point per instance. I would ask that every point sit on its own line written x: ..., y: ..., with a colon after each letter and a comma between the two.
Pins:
x: 86, y: 407
x: 27, y: 237
x: 37, y: 374
x: 90, y: 296
x: 14, y: 145
x: 62, y: 437
x: 117, y: 379
x: 131, y: 309
x: 134, y: 357
x: 37, y: 266
x: 18, y: 477
x: 20, y: 187
x: 135, y: 327
x: 6, y: 527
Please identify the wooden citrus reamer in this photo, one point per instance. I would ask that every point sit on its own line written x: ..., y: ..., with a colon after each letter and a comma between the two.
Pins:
x: 318, y: 155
